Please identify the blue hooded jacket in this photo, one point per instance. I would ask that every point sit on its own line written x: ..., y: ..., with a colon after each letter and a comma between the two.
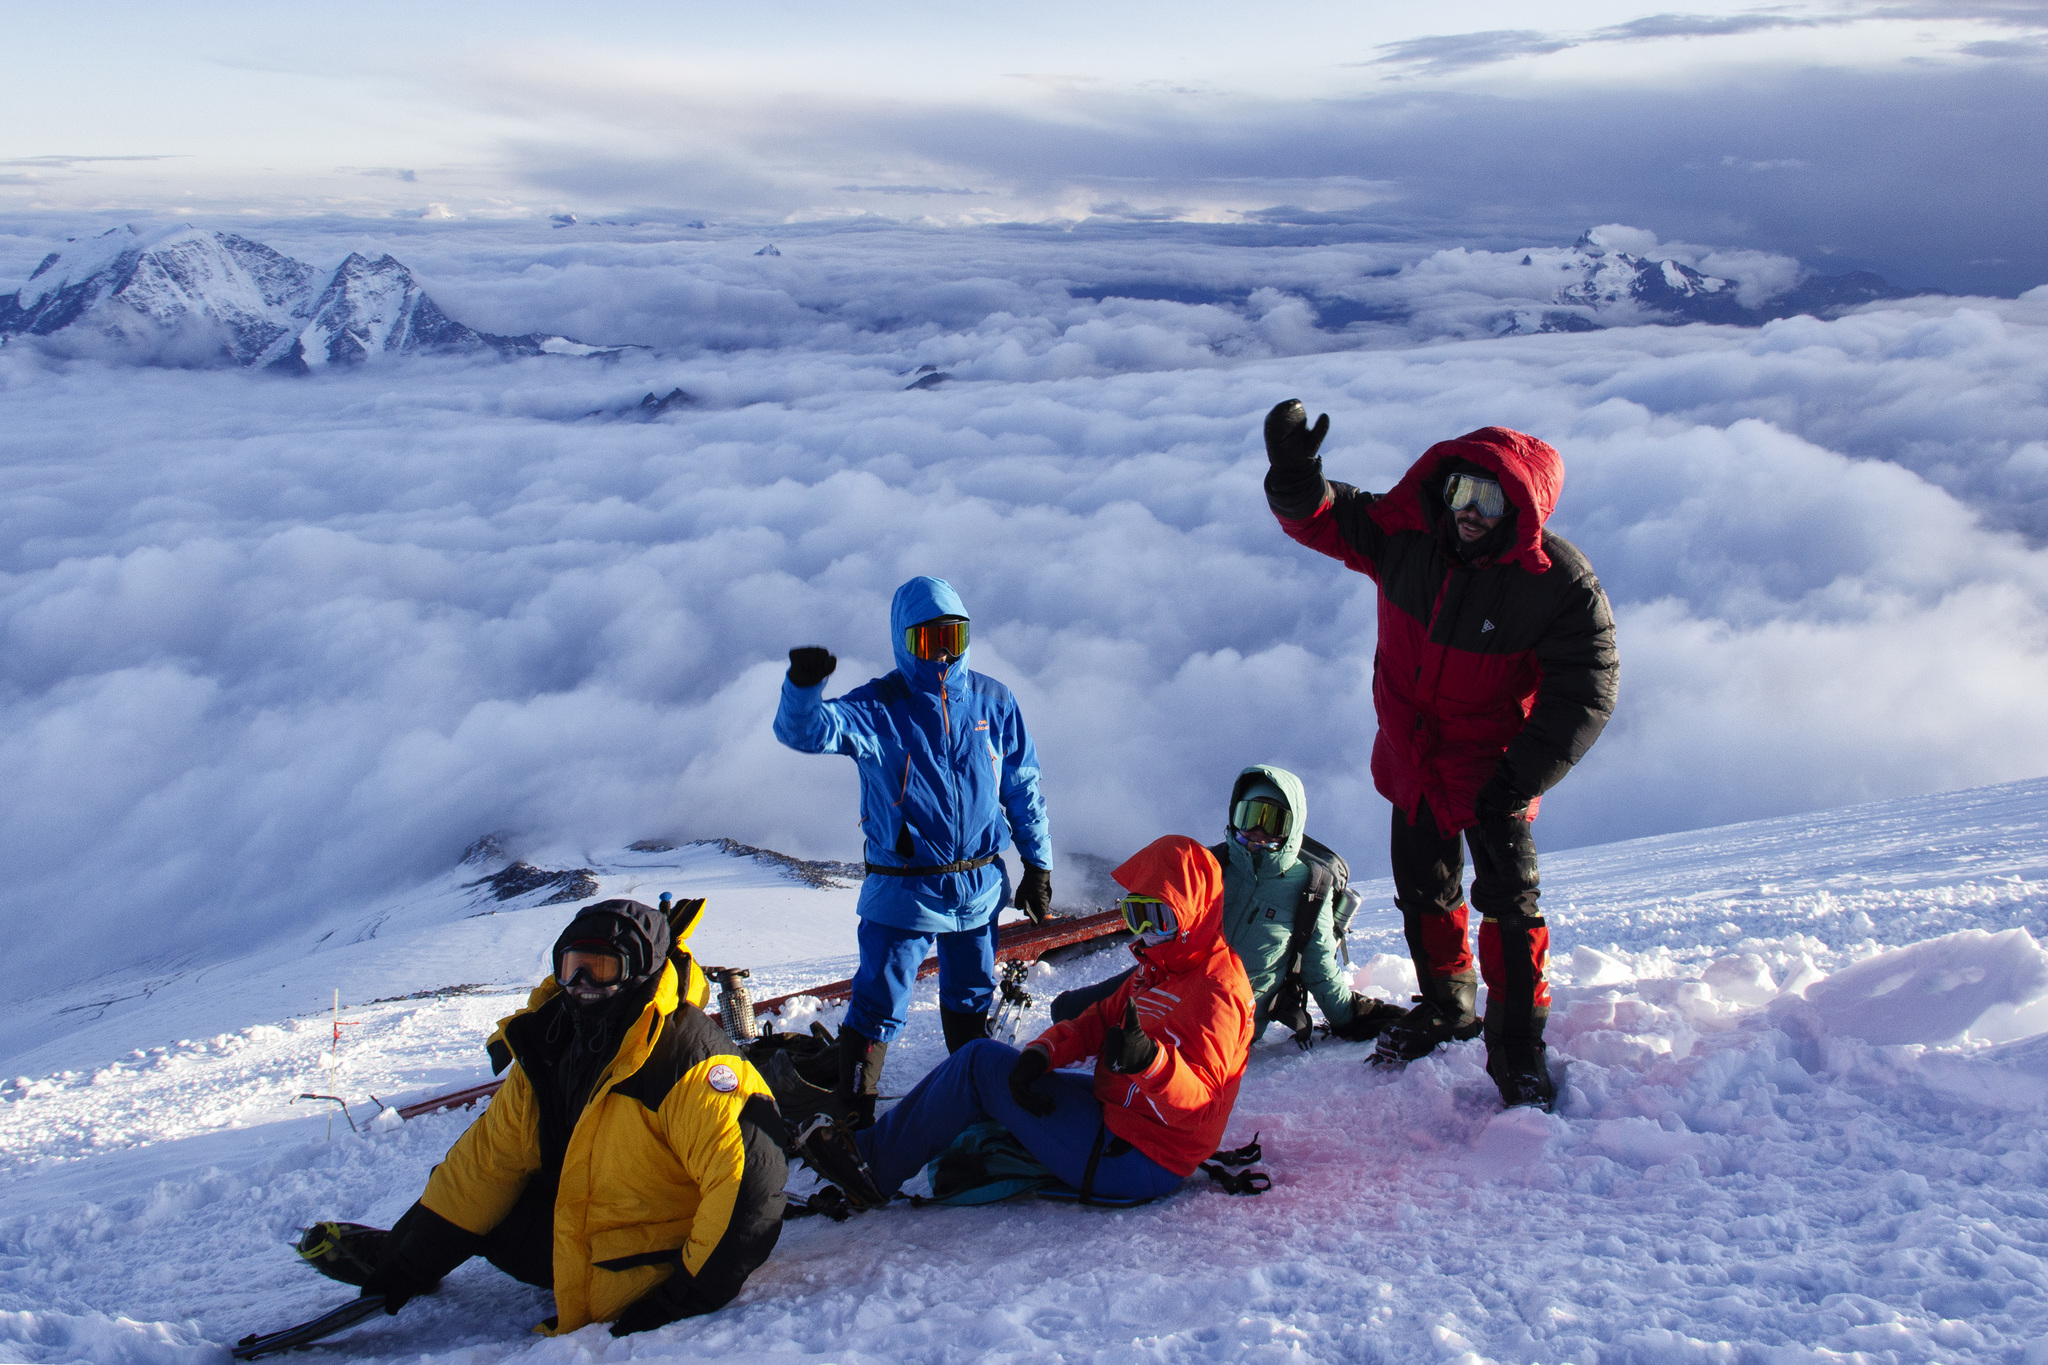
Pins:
x: 948, y: 774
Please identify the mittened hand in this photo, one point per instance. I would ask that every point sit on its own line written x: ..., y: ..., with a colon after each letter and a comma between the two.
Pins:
x: 1030, y: 1066
x: 667, y: 1302
x: 1126, y: 1049
x: 1289, y: 437
x: 1498, y: 800
x: 1034, y: 894
x: 811, y: 665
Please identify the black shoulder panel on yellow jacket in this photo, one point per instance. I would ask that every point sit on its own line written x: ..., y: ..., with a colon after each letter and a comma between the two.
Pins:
x: 687, y: 1038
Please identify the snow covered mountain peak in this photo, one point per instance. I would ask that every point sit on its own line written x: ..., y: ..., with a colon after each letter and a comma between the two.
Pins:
x: 185, y: 293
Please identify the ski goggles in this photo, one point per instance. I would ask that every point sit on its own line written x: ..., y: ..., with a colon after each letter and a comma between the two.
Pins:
x: 603, y: 968
x: 1262, y: 815
x: 1481, y: 495
x: 1148, y: 915
x: 940, y: 639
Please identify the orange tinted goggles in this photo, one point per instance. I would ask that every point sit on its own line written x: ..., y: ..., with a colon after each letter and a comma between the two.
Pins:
x: 604, y: 969
x: 936, y: 639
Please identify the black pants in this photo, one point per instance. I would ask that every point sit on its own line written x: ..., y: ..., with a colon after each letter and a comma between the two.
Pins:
x: 1514, y: 941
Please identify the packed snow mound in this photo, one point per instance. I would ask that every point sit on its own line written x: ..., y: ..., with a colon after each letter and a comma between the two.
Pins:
x: 1932, y: 992
x: 187, y: 295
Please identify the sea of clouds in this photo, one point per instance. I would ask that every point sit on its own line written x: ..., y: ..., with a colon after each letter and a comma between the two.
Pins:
x: 267, y: 643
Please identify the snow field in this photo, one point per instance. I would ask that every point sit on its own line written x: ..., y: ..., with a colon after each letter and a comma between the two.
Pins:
x: 1732, y: 1174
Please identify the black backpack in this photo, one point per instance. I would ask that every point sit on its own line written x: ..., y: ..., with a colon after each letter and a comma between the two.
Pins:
x: 1329, y: 883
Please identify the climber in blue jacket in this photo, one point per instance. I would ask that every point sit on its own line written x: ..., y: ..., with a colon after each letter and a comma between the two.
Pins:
x: 948, y: 776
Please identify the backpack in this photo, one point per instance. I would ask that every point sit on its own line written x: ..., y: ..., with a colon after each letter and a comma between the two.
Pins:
x: 1329, y: 883
x: 985, y: 1165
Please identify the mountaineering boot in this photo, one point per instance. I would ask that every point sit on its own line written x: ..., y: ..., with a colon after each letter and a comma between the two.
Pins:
x: 962, y: 1028
x: 1444, y: 1013
x: 1520, y: 1067
x: 1524, y: 1082
x: 860, y: 1075
x: 827, y: 1148
x: 348, y: 1252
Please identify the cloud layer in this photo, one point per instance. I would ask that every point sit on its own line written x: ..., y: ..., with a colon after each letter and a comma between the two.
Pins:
x: 268, y: 642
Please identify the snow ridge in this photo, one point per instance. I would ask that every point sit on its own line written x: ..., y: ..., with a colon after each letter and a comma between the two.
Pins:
x: 187, y: 292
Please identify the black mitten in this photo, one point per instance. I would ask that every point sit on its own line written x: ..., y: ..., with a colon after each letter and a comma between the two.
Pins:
x: 1126, y: 1049
x: 1289, y: 437
x: 669, y: 1301
x: 1030, y: 1066
x: 1034, y: 893
x: 421, y: 1248
x: 810, y: 665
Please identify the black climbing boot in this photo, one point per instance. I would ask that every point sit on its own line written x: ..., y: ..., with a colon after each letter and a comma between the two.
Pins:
x: 962, y: 1028
x: 828, y: 1148
x: 860, y: 1076
x: 1444, y: 1013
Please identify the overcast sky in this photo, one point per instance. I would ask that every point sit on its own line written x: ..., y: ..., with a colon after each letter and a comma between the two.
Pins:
x: 1904, y: 137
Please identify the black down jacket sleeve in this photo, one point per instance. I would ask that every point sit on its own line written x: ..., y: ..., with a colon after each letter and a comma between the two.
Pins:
x: 1581, y: 679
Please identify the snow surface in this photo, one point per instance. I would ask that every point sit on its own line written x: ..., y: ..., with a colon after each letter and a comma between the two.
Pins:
x: 1738, y: 1170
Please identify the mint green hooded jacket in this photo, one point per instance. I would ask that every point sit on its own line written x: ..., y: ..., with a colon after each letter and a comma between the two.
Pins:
x: 1260, y: 896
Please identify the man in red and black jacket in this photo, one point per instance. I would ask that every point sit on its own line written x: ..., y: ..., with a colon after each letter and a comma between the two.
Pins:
x: 1495, y: 672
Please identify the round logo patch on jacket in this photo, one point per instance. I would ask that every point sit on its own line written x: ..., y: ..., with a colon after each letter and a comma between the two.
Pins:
x: 723, y: 1079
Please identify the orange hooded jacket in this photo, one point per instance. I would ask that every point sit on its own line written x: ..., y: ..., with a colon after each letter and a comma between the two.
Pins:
x: 1193, y: 1001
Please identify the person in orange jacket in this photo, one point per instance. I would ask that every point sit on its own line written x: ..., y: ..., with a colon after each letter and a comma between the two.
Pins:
x: 1169, y: 1047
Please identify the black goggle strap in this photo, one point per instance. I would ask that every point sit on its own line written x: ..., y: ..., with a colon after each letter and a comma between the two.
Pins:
x: 1263, y: 815
x: 1147, y: 915
x: 936, y: 639
x: 1484, y: 496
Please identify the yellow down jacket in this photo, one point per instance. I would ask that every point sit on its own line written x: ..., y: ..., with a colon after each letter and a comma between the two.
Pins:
x: 673, y: 1166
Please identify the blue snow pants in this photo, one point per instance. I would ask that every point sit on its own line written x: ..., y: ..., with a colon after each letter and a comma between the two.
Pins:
x: 972, y: 1086
x: 889, y: 959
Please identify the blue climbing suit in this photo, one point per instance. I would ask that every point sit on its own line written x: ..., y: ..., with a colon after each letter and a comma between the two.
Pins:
x: 948, y: 775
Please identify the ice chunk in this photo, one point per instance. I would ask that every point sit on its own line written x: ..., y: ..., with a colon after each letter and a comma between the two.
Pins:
x: 1744, y: 979
x: 1395, y: 976
x: 1931, y: 992
x: 1591, y: 967
x: 1805, y: 971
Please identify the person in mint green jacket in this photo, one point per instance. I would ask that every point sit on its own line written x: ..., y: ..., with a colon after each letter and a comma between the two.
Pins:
x: 1276, y: 910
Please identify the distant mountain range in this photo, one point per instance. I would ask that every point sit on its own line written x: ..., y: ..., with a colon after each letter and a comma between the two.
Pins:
x: 239, y: 301
x: 1602, y: 281
x: 1585, y: 287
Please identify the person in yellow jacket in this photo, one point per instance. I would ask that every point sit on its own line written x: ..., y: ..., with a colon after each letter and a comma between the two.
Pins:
x: 632, y: 1163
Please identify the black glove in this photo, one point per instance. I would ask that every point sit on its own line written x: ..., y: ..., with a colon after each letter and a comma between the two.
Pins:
x: 667, y: 1302
x: 1030, y: 1066
x: 1369, y: 1018
x: 1127, y: 1050
x: 811, y: 665
x: 1289, y: 437
x: 1498, y: 799
x: 421, y: 1248
x: 1034, y: 894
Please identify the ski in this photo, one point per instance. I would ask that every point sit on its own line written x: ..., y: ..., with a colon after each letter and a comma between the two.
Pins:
x: 255, y: 1345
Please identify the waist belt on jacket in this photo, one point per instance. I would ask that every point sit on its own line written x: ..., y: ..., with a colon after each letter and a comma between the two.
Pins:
x: 968, y: 866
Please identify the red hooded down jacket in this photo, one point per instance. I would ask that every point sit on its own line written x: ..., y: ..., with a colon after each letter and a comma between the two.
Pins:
x: 1502, y: 661
x: 1193, y: 1000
